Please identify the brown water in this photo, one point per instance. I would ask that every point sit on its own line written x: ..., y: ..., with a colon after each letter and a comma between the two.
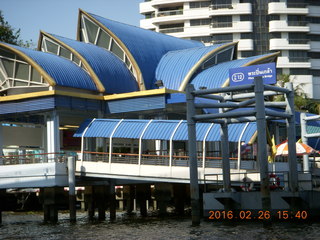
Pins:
x: 30, y: 226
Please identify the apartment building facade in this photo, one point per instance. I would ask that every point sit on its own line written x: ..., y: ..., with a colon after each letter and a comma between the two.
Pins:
x: 291, y: 27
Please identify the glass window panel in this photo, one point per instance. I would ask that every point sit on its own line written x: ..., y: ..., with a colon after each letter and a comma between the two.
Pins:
x: 19, y: 84
x: 92, y: 30
x: 127, y: 61
x: 52, y: 47
x: 2, y: 77
x: 210, y: 62
x: 35, y: 76
x: 103, y: 40
x: 75, y: 59
x: 224, y: 56
x: 8, y: 65
x: 22, y: 71
x: 117, y: 50
x: 6, y: 53
x: 65, y: 53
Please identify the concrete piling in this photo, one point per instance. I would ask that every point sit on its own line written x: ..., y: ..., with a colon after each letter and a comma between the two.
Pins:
x: 72, y: 189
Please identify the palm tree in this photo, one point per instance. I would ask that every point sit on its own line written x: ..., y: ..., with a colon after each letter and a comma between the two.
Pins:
x: 301, y: 100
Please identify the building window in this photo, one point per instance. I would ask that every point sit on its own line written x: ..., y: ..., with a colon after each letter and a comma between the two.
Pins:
x: 245, y: 18
x: 199, y: 22
x: 299, y: 71
x: 315, y: 73
x: 170, y: 11
x: 298, y: 56
x: 246, y: 35
x: 274, y: 17
x: 275, y: 35
x: 246, y: 54
x: 221, y: 21
x: 296, y: 20
x: 314, y: 55
x: 222, y: 38
x: 204, y: 39
x: 171, y: 28
x: 296, y: 4
x: 202, y: 4
x: 313, y: 19
x: 313, y: 37
x: 298, y: 38
x: 221, y: 4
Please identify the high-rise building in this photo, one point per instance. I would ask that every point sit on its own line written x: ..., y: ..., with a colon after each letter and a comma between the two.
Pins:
x: 291, y: 27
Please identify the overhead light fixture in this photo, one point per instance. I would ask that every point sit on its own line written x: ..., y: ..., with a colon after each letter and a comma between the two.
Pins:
x: 202, y: 87
x: 159, y: 83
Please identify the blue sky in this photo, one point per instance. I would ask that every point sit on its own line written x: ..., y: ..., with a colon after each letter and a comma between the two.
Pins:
x: 61, y: 16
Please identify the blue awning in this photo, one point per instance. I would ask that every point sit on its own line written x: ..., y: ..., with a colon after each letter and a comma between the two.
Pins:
x: 177, y: 130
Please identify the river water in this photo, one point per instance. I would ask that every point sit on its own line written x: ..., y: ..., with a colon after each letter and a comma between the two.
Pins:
x: 30, y: 226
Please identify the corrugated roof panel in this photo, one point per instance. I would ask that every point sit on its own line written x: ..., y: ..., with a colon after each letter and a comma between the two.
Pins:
x: 175, y: 65
x: 249, y: 132
x: 82, y: 128
x: 160, y: 129
x: 112, y: 72
x: 101, y: 128
x: 130, y: 129
x: 64, y: 72
x: 214, y: 134
x: 215, y: 77
x: 147, y: 47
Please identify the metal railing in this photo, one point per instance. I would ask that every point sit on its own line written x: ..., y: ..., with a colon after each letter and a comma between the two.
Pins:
x: 170, y: 13
x: 35, y: 158
x: 172, y: 30
x: 220, y: 24
x: 278, y: 181
x: 220, y: 6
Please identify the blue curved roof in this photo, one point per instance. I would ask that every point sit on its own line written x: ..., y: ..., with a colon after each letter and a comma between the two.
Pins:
x: 175, y: 65
x: 215, y: 77
x: 147, y: 47
x: 64, y: 72
x: 112, y: 72
x: 160, y: 129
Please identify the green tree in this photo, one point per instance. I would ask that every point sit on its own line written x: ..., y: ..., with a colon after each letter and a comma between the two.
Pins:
x: 301, y: 100
x: 9, y: 35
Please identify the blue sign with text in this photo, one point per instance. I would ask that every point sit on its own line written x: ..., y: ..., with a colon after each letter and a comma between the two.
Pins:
x: 246, y: 75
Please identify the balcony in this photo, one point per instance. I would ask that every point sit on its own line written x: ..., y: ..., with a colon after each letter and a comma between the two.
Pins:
x: 314, y: 11
x: 146, y: 7
x: 231, y: 27
x: 286, y: 62
x: 292, y: 44
x: 315, y: 63
x: 285, y: 26
x: 245, y: 45
x: 169, y: 13
x: 315, y: 46
x: 284, y: 8
x: 172, y: 30
x: 230, y: 9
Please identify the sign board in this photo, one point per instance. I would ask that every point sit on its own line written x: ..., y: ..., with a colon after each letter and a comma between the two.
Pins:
x: 246, y: 75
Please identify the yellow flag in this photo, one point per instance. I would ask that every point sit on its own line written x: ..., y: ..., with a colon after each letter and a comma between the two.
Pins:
x: 273, y: 150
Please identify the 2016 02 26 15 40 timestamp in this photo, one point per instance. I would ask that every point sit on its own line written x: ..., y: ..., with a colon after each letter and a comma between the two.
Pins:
x: 257, y: 215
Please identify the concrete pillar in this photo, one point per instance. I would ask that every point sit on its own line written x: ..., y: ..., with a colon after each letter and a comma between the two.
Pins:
x: 53, y: 135
x: 72, y: 188
x: 2, y: 202
x: 51, y: 197
x: 162, y: 194
x: 100, y: 198
x: 143, y: 194
x: 1, y: 144
x: 112, y: 201
x: 89, y: 201
x: 128, y: 197
x: 179, y: 194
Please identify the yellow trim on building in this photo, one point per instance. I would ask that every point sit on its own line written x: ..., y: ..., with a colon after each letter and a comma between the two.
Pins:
x: 140, y: 80
x: 87, y: 95
x: 140, y: 94
x: 200, y: 62
x: 35, y: 65
x: 93, y: 75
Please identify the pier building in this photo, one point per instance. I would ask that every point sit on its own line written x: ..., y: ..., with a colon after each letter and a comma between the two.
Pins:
x: 115, y: 99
